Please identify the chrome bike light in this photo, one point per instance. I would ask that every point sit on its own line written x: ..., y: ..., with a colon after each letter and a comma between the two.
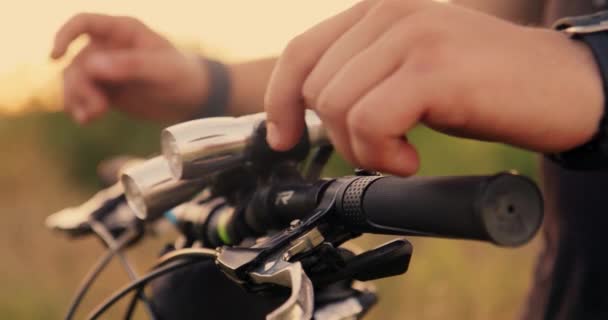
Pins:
x: 200, y: 147
x: 173, y: 139
x: 151, y: 190
x: 197, y: 147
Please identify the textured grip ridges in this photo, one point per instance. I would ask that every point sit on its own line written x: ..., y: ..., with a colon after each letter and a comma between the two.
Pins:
x: 352, y: 206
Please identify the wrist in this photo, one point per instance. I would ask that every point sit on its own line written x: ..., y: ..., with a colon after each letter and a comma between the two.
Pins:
x: 592, y: 99
x: 580, y: 91
x: 592, y: 32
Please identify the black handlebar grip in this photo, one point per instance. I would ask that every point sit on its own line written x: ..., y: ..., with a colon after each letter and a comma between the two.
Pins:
x: 505, y: 209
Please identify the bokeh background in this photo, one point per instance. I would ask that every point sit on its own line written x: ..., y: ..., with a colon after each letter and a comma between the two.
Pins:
x: 47, y: 163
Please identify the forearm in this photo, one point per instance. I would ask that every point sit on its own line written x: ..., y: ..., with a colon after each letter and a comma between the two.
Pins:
x: 248, y: 85
x: 519, y: 11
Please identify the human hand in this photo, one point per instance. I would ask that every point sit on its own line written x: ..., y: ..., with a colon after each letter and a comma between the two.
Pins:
x: 374, y: 71
x: 129, y: 66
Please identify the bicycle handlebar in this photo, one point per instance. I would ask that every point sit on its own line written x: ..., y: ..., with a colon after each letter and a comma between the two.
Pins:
x: 505, y: 209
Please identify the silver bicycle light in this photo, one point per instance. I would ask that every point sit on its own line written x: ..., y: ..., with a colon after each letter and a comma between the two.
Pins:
x: 151, y: 190
x: 200, y: 147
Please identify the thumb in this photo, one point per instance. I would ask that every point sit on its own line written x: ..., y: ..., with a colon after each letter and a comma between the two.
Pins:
x: 123, y: 65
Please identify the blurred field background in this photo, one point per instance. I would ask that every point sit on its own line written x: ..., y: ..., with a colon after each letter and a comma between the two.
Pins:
x: 48, y: 163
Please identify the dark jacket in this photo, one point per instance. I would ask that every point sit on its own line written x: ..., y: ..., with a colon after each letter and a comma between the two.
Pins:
x: 570, y: 280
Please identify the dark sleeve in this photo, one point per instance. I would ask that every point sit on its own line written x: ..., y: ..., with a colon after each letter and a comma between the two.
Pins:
x: 570, y: 281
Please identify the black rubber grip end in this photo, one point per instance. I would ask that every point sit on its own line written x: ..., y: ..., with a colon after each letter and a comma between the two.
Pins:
x: 505, y: 209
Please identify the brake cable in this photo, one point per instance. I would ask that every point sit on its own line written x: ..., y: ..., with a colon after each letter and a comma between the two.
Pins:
x: 163, y: 267
x: 163, y: 260
x: 103, y: 232
x: 99, y: 266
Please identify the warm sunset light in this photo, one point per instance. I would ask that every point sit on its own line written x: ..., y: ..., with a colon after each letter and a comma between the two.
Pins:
x: 232, y: 29
x: 468, y: 94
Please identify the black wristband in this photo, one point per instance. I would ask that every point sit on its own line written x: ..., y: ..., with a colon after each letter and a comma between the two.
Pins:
x: 218, y: 96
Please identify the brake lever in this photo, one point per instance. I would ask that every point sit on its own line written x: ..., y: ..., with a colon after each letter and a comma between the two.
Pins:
x: 300, y: 304
x: 74, y: 221
x: 345, y: 301
x: 387, y: 260
x: 273, y: 262
x: 277, y: 269
x: 280, y: 269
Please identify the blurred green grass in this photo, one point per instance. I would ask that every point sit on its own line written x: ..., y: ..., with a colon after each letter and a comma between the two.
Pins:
x: 48, y: 163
